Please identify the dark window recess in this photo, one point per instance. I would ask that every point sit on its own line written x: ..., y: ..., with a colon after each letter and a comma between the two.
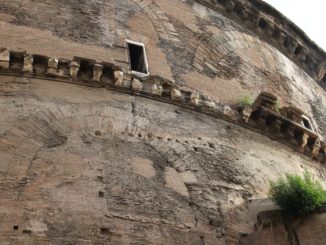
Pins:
x: 101, y: 194
x: 306, y: 123
x: 137, y: 58
x: 15, y: 227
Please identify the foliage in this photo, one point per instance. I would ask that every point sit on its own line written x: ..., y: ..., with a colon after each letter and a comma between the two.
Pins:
x: 277, y: 107
x: 297, y: 195
x: 246, y: 100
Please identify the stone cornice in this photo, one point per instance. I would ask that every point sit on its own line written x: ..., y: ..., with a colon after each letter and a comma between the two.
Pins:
x: 276, y: 29
x: 285, y: 126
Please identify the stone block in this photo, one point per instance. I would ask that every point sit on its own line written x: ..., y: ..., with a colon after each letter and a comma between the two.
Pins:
x: 189, y: 178
x: 118, y: 78
x: 28, y: 63
x: 53, y: 66
x: 157, y: 89
x: 4, y: 59
x: 136, y: 85
x: 74, y: 70
x: 97, y: 72
x: 175, y: 93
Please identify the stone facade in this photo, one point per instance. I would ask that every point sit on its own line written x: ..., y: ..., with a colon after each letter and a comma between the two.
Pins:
x: 93, y: 153
x: 273, y: 229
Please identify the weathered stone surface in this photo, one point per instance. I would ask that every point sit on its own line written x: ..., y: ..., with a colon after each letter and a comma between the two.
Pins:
x: 97, y: 72
x: 4, y: 59
x: 118, y: 76
x: 136, y: 85
x: 88, y: 165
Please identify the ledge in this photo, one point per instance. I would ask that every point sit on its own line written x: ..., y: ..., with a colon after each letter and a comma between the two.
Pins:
x: 276, y: 29
x: 285, y: 125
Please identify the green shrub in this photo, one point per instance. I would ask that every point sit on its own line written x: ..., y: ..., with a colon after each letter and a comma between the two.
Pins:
x: 246, y: 100
x: 277, y: 107
x: 297, y: 195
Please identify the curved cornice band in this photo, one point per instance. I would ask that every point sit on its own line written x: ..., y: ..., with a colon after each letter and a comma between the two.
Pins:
x: 276, y: 29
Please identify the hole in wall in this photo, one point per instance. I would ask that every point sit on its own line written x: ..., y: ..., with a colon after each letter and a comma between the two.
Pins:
x: 270, y: 120
x: 105, y: 230
x: 285, y: 126
x: 16, y: 61
x: 98, y: 133
x: 276, y: 34
x: 40, y: 64
x: 255, y: 115
x: 177, y: 112
x: 86, y: 68
x: 311, y: 142
x: 298, y: 136
x: 286, y: 42
x: 202, y: 240
x: 108, y: 72
x: 29, y: 232
x: 101, y: 194
x: 63, y: 67
x: 298, y: 50
x: 15, y: 227
x: 262, y: 24
x: 238, y: 9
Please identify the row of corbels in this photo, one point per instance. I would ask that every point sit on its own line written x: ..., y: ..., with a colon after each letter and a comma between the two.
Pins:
x: 289, y: 40
x: 120, y: 79
x: 154, y: 86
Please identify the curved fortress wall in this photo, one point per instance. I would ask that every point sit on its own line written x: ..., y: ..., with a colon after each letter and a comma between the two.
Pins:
x: 85, y: 164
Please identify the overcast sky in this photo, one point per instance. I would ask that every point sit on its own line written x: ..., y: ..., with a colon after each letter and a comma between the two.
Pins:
x: 308, y: 15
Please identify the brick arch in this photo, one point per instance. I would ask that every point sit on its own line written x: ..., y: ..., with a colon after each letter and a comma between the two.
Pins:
x: 217, y: 54
x: 50, y: 128
x: 163, y: 26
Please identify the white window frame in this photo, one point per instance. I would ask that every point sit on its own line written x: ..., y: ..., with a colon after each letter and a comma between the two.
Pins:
x: 309, y: 121
x: 141, y: 74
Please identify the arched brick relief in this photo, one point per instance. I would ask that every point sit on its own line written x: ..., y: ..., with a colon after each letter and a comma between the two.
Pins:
x: 45, y: 144
x: 164, y: 28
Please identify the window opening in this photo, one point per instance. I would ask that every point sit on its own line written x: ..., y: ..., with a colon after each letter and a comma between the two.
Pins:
x: 137, y: 57
x: 306, y: 123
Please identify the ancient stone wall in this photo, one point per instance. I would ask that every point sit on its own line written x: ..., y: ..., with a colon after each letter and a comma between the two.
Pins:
x: 276, y: 230
x: 91, y: 153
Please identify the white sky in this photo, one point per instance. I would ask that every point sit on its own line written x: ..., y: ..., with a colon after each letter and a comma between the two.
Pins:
x: 308, y: 15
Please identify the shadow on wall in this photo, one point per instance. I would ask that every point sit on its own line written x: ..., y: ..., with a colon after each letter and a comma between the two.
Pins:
x: 272, y: 228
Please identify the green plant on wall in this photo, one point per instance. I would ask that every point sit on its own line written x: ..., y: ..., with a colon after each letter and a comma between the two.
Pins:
x: 277, y: 106
x: 246, y: 100
x: 297, y: 195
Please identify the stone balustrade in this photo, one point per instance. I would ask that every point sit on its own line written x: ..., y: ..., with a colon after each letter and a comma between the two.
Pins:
x: 285, y: 125
x: 276, y: 29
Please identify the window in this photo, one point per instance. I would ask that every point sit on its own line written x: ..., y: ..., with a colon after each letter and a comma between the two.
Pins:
x: 137, y: 57
x: 306, y: 123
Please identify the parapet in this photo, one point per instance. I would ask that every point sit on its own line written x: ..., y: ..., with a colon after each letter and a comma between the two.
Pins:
x: 276, y: 29
x: 287, y: 125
